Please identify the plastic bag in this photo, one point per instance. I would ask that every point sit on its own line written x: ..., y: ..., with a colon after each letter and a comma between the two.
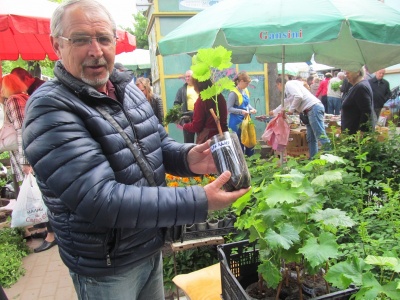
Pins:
x: 276, y: 133
x: 8, y: 135
x: 248, y: 135
x: 30, y: 208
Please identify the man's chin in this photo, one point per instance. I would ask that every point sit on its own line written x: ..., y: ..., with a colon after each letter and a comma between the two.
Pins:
x: 96, y: 82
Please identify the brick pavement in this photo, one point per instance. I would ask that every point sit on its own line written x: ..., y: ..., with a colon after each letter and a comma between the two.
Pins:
x: 46, y: 277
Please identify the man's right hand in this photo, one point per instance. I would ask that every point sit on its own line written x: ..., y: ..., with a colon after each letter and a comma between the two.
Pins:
x: 218, y: 198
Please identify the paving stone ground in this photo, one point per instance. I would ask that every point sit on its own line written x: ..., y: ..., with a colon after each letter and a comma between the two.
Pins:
x: 46, y: 277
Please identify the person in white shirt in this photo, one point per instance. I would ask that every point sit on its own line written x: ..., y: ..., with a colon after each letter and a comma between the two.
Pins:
x: 299, y: 99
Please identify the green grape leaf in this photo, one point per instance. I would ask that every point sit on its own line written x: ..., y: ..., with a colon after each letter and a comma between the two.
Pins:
x: 327, y: 177
x: 277, y: 192
x: 332, y: 158
x: 270, y: 273
x: 285, y: 239
x: 345, y: 273
x: 201, y: 71
x: 333, y: 217
x: 318, y: 250
x: 389, y: 262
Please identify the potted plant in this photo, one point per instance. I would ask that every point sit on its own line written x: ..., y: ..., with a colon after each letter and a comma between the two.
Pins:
x: 295, y: 235
x: 225, y: 146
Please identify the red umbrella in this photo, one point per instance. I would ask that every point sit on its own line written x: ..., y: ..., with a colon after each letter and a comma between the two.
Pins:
x: 25, y: 31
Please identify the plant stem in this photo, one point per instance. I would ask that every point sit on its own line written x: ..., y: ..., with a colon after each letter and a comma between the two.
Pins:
x: 216, y: 121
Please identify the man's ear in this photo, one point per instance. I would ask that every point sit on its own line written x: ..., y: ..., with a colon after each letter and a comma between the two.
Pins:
x: 56, y: 46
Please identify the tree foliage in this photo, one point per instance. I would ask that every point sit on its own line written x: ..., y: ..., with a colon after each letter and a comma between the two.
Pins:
x: 139, y: 32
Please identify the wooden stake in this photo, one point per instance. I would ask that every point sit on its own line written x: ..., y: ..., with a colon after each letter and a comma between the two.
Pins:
x: 216, y: 121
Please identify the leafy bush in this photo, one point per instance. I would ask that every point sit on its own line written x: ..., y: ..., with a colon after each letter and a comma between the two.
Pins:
x: 173, y: 115
x: 12, y: 249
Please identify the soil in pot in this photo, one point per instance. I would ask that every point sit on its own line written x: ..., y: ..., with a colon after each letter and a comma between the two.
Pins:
x: 228, y: 156
x: 315, y: 285
x: 291, y: 291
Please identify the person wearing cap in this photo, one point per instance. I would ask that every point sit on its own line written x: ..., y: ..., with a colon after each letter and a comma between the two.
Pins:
x: 334, y: 94
x: 31, y: 82
x: 322, y: 92
x: 120, y: 67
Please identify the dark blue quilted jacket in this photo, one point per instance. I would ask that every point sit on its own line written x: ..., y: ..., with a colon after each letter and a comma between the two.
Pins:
x: 105, y: 215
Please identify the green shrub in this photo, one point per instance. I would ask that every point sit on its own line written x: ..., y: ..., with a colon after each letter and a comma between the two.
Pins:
x: 12, y: 249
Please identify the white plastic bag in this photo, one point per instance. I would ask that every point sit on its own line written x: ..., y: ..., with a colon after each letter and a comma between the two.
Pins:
x: 30, y: 208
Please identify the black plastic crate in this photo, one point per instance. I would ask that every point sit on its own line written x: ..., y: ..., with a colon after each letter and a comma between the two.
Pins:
x: 179, y: 233
x: 239, y: 262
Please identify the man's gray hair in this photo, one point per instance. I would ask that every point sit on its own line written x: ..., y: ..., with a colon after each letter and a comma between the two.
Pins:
x: 89, y: 5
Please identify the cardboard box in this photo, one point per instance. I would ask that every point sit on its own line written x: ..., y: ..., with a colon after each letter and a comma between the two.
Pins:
x: 295, y: 139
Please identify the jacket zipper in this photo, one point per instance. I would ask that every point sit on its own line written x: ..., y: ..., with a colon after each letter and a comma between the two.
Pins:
x: 108, y: 259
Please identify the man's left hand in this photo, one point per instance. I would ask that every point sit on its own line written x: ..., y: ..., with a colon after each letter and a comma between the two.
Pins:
x: 200, y: 159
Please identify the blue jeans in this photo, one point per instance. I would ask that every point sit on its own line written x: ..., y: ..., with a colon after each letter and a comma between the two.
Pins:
x: 316, y: 130
x: 144, y: 282
x: 334, y: 105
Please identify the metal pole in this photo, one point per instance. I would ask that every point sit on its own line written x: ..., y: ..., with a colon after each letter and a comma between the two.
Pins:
x: 283, y: 93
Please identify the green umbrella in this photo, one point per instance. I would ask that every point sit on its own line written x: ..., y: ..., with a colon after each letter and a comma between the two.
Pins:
x: 341, y: 33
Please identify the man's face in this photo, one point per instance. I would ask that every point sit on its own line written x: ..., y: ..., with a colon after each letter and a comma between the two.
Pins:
x: 188, y: 78
x: 379, y: 74
x: 91, y: 62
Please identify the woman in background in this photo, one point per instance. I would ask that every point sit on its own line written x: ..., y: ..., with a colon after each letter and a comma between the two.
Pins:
x: 155, y: 100
x: 14, y: 97
x: 357, y: 108
x: 239, y: 106
x: 203, y: 123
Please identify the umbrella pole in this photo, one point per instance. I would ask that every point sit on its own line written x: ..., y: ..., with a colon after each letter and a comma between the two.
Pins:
x: 283, y: 95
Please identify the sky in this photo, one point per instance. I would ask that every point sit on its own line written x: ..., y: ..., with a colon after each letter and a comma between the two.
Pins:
x: 121, y: 10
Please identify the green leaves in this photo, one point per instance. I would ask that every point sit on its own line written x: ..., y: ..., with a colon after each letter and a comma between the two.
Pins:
x: 333, y: 216
x: 327, y: 177
x: 205, y: 65
x: 217, y: 58
x: 285, y: 238
x: 345, y: 273
x: 270, y: 273
x: 317, y: 250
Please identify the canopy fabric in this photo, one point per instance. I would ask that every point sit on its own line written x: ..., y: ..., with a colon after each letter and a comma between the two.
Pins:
x: 340, y: 33
x: 25, y: 31
x: 138, y: 59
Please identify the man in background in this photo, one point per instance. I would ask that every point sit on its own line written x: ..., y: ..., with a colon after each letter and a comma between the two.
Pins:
x: 380, y: 89
x: 31, y: 82
x: 334, y: 94
x: 187, y: 96
x: 120, y: 67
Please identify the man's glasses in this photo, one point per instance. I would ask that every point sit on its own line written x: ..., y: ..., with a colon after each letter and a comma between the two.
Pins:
x: 81, y: 41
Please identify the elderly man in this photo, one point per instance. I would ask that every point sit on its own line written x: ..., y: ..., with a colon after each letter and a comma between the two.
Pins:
x: 187, y: 96
x: 334, y: 94
x: 301, y: 100
x: 380, y: 89
x: 100, y: 156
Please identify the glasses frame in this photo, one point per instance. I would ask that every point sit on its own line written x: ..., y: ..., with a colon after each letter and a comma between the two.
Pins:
x: 70, y: 40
